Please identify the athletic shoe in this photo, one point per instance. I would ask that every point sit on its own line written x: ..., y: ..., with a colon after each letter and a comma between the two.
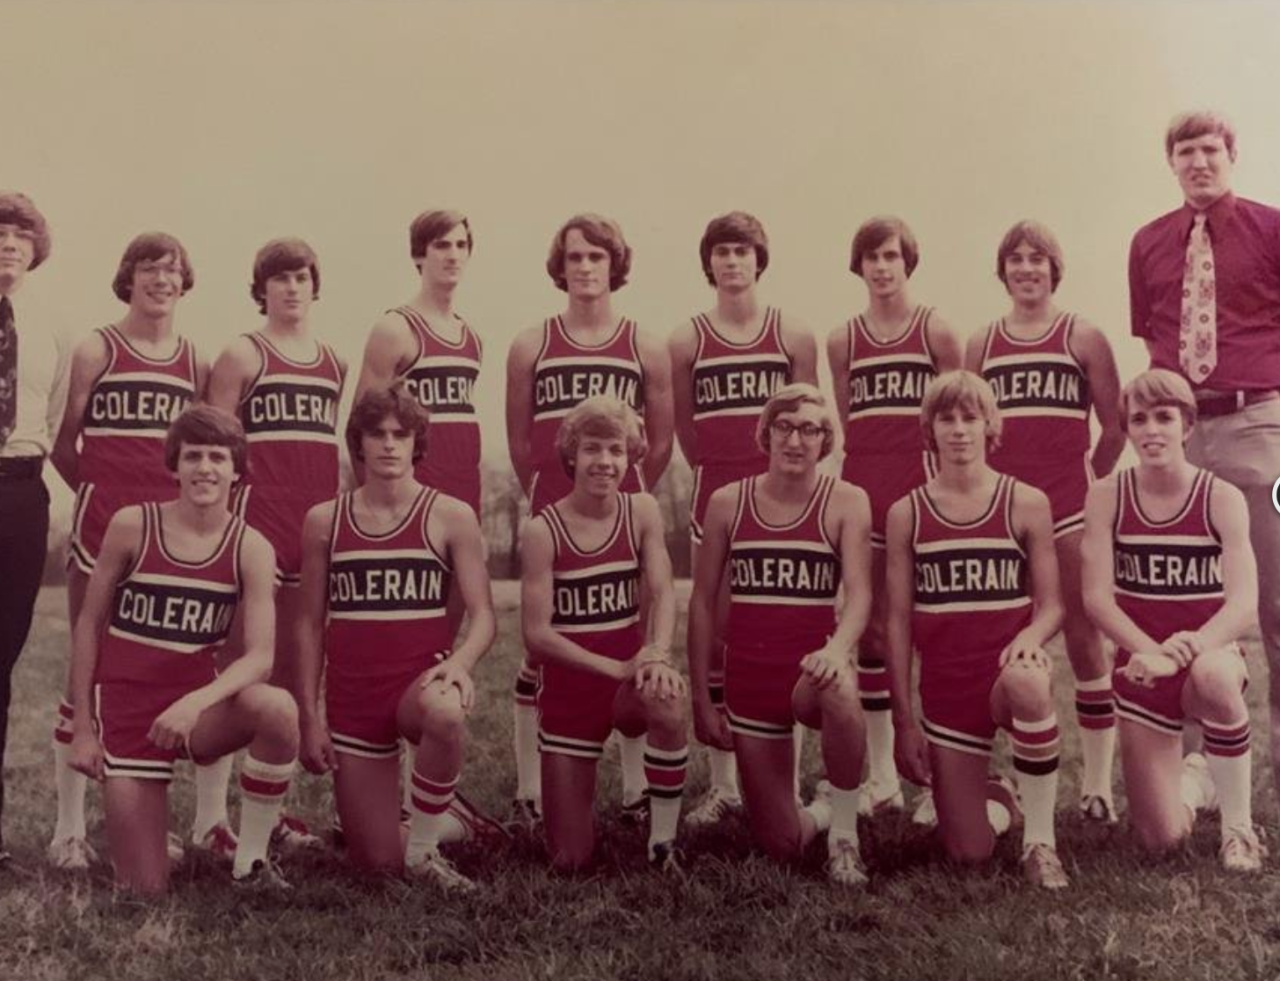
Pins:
x: 1043, y: 868
x: 667, y: 858
x: 714, y: 807
x: 844, y: 863
x: 291, y: 834
x: 1242, y: 850
x: 71, y: 854
x: 925, y: 812
x: 873, y: 801
x: 1096, y: 808
x: 477, y: 825
x: 1196, y: 769
x: 1000, y: 790
x: 635, y: 814
x: 263, y: 876
x: 219, y: 841
x: 526, y: 815
x: 434, y: 867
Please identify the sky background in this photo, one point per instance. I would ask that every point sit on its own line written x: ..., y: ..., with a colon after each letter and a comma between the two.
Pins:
x: 230, y: 123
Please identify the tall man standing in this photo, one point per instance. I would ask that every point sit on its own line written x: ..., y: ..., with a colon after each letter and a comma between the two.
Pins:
x: 1204, y: 294
x: 30, y: 410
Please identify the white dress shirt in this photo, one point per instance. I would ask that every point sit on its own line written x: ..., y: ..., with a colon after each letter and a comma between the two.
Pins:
x: 44, y: 361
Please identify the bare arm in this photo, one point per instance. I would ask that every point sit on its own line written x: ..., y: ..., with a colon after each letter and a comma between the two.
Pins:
x: 316, y: 750
x: 798, y: 340
x: 1097, y: 550
x: 119, y: 550
x: 1239, y: 569
x: 850, y: 527
x: 1094, y: 353
x: 658, y: 412
x: 388, y: 351
x: 537, y: 553
x: 656, y: 564
x: 232, y: 374
x: 713, y: 557
x: 88, y: 362
x: 973, y: 349
x: 465, y: 547
x: 682, y: 349
x: 944, y: 344
x: 1033, y: 524
x: 313, y: 606
x: 202, y: 378
x: 520, y: 363
x: 910, y: 750
x: 838, y: 362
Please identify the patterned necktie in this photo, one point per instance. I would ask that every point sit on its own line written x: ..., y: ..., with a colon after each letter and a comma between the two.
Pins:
x: 1198, y: 336
x: 8, y: 371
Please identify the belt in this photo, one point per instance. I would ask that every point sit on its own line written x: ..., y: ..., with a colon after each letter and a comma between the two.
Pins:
x: 21, y: 467
x: 1225, y: 403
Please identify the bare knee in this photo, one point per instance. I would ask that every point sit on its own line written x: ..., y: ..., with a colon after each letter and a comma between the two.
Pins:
x: 967, y: 849
x: 666, y: 715
x: 273, y: 711
x: 839, y: 702
x: 440, y: 709
x: 1028, y: 691
x: 1217, y: 686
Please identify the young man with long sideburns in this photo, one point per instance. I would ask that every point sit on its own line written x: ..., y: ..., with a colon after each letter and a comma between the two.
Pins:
x: 584, y: 559
x: 881, y: 360
x: 973, y: 586
x: 787, y: 540
x: 1051, y: 370
x: 285, y: 387
x: 145, y: 684
x: 586, y: 350
x: 378, y: 567
x: 1172, y: 580
x: 725, y: 365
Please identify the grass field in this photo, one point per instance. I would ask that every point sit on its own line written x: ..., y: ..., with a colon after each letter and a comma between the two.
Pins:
x: 736, y: 916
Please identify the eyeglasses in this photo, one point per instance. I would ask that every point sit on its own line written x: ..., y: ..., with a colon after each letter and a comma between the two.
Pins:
x: 809, y: 432
x: 156, y: 269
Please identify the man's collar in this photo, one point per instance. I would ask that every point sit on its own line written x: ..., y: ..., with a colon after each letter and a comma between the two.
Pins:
x: 1215, y: 215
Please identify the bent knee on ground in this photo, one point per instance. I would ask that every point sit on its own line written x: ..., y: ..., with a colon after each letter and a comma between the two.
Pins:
x: 1159, y: 837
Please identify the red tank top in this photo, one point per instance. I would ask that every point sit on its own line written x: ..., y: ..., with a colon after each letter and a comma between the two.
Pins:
x: 970, y: 579
x: 1042, y: 391
x: 169, y: 617
x: 290, y: 418
x: 387, y: 592
x: 597, y: 592
x: 443, y: 379
x: 887, y: 380
x: 567, y: 372
x: 1168, y: 574
x: 731, y: 384
x: 783, y: 579
x: 129, y: 411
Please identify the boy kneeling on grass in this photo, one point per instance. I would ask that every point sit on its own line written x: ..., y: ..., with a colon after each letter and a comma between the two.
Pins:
x: 146, y: 689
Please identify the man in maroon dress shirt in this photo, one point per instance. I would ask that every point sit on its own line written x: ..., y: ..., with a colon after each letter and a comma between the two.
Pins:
x: 1204, y: 290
